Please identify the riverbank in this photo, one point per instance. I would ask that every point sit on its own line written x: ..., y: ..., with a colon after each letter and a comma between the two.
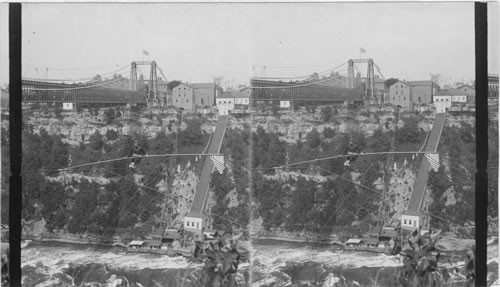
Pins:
x: 81, y: 241
x: 296, y: 239
x: 446, y: 244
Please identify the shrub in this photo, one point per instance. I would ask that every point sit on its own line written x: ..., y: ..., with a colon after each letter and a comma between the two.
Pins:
x: 111, y: 135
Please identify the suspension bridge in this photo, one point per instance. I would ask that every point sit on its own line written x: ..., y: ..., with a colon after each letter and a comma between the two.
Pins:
x: 118, y: 90
x: 334, y: 85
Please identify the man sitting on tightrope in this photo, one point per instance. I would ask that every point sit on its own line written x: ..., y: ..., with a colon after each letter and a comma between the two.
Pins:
x: 352, y: 149
x: 136, y: 151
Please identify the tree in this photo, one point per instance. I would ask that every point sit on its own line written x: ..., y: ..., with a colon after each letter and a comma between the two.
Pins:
x: 109, y: 116
x: 275, y: 108
x: 302, y: 202
x: 192, y: 135
x: 96, y: 140
x: 410, y: 132
x: 328, y: 132
x: 313, y: 138
x: 111, y: 135
x: 326, y: 113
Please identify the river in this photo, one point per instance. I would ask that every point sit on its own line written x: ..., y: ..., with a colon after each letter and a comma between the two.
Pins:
x: 274, y: 263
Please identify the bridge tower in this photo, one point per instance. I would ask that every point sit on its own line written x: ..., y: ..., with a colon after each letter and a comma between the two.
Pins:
x: 370, y: 80
x: 350, y: 74
x: 133, y: 77
x: 153, y: 79
x: 153, y: 83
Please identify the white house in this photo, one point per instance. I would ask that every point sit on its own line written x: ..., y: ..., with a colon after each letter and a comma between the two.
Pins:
x: 225, y: 103
x: 68, y: 106
x: 228, y: 101
x: 193, y: 223
x: 458, y: 96
x: 241, y: 99
x: 442, y: 101
x: 285, y: 104
x: 411, y: 220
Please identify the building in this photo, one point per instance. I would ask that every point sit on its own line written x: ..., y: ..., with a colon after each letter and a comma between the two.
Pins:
x: 241, y: 98
x: 422, y: 91
x: 400, y: 95
x: 205, y: 94
x: 407, y: 94
x: 225, y: 103
x: 469, y: 91
x: 4, y: 99
x: 230, y: 101
x: 163, y: 92
x: 247, y: 92
x: 492, y: 85
x: 192, y: 97
x: 379, y: 84
x: 183, y: 97
x: 411, y: 220
x: 457, y: 96
x: 194, y: 222
x: 285, y: 104
x: 442, y: 101
x: 68, y: 106
x: 381, y: 92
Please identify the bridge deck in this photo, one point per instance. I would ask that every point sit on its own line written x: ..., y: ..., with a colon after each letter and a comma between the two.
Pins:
x: 265, y: 90
x: 45, y: 92
x: 200, y: 196
x: 417, y: 195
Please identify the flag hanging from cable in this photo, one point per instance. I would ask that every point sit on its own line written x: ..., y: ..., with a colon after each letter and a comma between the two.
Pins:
x: 218, y: 161
x: 361, y: 50
x: 145, y: 53
x: 433, y: 159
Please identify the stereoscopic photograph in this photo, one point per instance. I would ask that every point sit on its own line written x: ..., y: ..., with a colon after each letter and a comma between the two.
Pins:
x: 249, y: 144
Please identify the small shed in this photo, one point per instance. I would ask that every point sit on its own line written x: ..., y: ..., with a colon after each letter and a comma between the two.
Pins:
x: 353, y: 242
x: 136, y: 244
x: 156, y: 235
x: 371, y: 242
x: 153, y: 244
x: 170, y: 235
x: 387, y: 234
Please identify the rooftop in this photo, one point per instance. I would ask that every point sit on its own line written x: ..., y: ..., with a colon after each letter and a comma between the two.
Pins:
x: 468, y: 86
x: 153, y: 242
x: 450, y: 92
x: 354, y: 240
x: 420, y: 83
x: 202, y: 85
x: 370, y: 240
x: 233, y: 94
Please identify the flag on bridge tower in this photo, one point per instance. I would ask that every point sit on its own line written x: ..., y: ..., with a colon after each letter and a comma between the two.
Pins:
x: 145, y: 53
x: 361, y: 50
x: 218, y: 161
x: 433, y: 159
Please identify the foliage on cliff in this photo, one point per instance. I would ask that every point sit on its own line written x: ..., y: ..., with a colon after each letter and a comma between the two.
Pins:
x: 235, y: 146
x: 458, y: 150
x: 123, y: 200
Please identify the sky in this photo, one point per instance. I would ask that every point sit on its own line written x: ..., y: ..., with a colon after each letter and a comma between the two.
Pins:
x: 197, y: 42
